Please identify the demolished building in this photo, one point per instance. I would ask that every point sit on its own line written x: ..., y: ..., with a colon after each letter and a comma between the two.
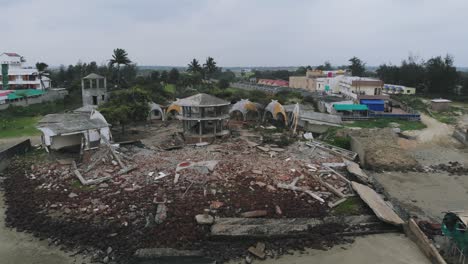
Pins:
x: 80, y: 128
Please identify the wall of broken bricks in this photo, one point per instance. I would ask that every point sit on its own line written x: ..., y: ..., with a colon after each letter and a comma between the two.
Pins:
x: 18, y: 149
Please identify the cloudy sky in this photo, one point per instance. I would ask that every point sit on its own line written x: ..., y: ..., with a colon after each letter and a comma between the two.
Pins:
x: 235, y: 32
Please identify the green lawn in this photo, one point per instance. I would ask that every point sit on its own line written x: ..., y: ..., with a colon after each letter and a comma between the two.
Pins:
x: 170, y: 88
x: 18, y: 126
x: 384, y: 122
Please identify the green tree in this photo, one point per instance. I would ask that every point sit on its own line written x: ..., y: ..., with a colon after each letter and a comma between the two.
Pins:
x: 194, y: 67
x: 120, y: 57
x: 357, y: 67
x: 41, y: 72
x: 209, y: 67
x: 125, y: 106
x: 441, y: 75
x: 223, y: 84
x: 300, y: 71
x: 164, y: 76
x: 325, y: 67
x: 173, y: 76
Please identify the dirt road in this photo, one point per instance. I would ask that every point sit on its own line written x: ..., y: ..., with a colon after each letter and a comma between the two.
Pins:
x: 435, y: 130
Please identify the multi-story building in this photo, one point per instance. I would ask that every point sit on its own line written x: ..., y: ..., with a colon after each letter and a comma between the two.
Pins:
x: 14, y: 75
x: 318, y: 80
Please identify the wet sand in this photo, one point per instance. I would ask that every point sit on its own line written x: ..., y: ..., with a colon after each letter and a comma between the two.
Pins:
x: 23, y: 248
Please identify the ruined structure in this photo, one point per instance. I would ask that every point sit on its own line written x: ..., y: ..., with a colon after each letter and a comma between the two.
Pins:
x: 275, y: 111
x: 245, y: 110
x: 83, y: 129
x: 94, y: 89
x: 203, y: 116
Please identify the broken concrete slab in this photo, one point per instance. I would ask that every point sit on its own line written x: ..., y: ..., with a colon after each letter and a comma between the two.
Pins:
x: 263, y: 148
x: 282, y: 227
x: 354, y: 169
x: 381, y: 209
x: 202, y: 166
x: 257, y: 213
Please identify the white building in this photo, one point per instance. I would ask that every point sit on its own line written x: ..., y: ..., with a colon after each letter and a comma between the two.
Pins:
x: 20, y: 76
x: 352, y: 86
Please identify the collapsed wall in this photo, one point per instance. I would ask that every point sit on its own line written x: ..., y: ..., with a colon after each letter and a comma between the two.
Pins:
x: 378, y: 149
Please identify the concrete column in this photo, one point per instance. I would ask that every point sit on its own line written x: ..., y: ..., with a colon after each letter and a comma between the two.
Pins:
x: 200, y: 127
x: 215, y: 127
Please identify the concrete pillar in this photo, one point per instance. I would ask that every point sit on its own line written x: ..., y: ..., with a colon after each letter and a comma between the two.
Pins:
x: 200, y: 126
x: 216, y: 121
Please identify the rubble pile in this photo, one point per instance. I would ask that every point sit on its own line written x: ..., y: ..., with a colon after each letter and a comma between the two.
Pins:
x: 131, y: 197
x: 452, y: 167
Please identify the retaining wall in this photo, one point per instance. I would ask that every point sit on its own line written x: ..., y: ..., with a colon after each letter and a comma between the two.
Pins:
x: 49, y: 96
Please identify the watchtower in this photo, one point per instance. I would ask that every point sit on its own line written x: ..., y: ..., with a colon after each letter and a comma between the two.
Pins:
x: 94, y: 89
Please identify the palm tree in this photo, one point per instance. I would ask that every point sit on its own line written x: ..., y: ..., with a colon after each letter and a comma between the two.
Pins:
x: 41, y: 71
x: 194, y: 67
x: 210, y: 67
x: 120, y: 57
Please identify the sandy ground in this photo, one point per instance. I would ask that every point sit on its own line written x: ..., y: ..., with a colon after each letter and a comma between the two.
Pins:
x: 22, y: 248
x: 430, y: 194
x: 382, y: 248
x: 435, y: 130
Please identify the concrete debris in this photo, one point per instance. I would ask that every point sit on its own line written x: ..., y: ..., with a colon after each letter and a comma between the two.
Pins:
x: 160, y: 176
x: 257, y: 213
x: 204, y: 219
x: 72, y: 195
x: 308, y: 136
x: 258, y: 250
x: 263, y: 148
x: 161, y: 214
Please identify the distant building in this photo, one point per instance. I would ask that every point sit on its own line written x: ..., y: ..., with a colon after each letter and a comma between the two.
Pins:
x: 397, y: 89
x: 318, y: 80
x: 271, y: 82
x: 94, y: 90
x: 14, y: 75
x: 440, y: 104
x: 352, y: 86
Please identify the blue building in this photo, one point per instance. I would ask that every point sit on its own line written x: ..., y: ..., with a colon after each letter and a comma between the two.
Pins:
x: 374, y: 105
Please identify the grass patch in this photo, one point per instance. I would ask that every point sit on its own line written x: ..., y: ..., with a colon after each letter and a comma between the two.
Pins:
x: 384, y: 122
x: 76, y: 185
x: 352, y: 206
x: 18, y: 127
x: 170, y: 88
x: 333, y: 138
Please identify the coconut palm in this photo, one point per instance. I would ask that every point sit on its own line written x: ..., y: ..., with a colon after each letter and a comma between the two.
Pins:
x: 41, y: 72
x: 194, y: 67
x: 209, y: 67
x: 120, y: 57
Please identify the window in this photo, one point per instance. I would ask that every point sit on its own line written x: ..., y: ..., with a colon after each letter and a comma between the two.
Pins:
x: 94, y: 100
x: 103, y: 97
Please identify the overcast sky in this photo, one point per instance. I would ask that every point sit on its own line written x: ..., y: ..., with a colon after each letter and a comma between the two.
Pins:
x: 235, y: 32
